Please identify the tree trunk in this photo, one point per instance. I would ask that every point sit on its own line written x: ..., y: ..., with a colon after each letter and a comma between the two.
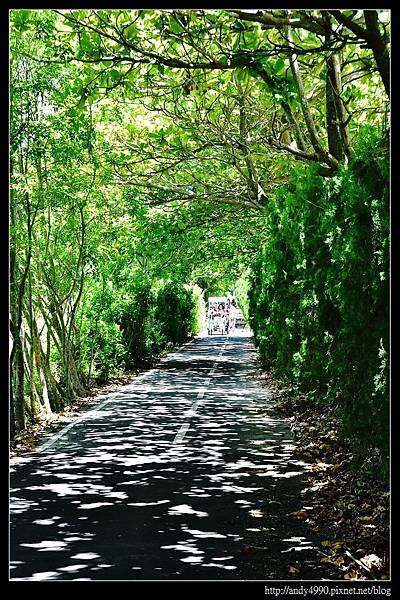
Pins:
x: 55, y: 397
x: 34, y: 402
x: 336, y: 125
x: 73, y: 380
x: 295, y: 127
x: 18, y: 392
x: 379, y: 47
x: 340, y: 111
x: 332, y: 118
x: 322, y: 154
x: 373, y: 38
x: 30, y: 354
x: 37, y: 348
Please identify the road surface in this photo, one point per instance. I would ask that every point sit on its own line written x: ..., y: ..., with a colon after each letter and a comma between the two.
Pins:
x: 185, y: 474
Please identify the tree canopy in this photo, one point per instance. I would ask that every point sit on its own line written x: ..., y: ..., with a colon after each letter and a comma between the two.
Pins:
x: 157, y: 146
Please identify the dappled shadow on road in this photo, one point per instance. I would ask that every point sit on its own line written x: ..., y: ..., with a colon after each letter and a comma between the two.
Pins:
x: 115, y: 498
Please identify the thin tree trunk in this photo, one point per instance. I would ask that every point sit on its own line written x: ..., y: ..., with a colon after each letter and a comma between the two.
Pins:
x: 322, y: 154
x: 340, y: 111
x: 34, y: 402
x: 37, y: 347
x: 286, y: 108
x: 35, y: 412
x: 373, y: 38
x: 96, y: 329
x: 55, y: 397
x: 298, y: 136
x: 18, y: 391
x: 332, y: 118
x: 379, y: 47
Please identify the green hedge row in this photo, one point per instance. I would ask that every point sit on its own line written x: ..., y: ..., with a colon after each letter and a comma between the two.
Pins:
x: 319, y: 292
x: 122, y: 329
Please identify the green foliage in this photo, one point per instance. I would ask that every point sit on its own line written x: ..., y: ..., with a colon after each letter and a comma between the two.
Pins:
x: 135, y: 315
x: 175, y: 309
x: 198, y: 312
x: 135, y: 173
x: 122, y: 328
x: 102, y: 348
x: 319, y: 292
x: 241, y: 290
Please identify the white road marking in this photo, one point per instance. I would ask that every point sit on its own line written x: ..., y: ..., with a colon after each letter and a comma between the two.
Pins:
x: 192, y: 411
x: 110, y: 398
x: 64, y: 430
x: 181, y: 433
x: 214, y: 368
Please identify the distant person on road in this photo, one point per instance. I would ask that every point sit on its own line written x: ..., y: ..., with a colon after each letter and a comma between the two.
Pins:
x: 232, y: 316
x: 221, y: 318
x: 212, y: 318
x: 228, y: 308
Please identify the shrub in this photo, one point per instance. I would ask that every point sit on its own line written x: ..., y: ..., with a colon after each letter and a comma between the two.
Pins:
x: 175, y: 311
x: 318, y: 299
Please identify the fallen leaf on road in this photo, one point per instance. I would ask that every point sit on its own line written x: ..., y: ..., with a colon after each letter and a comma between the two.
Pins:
x: 353, y: 575
x: 338, y: 545
x: 371, y: 560
x: 249, y: 550
x: 300, y: 514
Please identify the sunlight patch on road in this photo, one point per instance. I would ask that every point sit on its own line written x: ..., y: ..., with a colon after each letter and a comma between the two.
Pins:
x: 286, y: 475
x: 256, y: 512
x: 185, y: 509
x: 183, y: 547
x: 148, y: 503
x: 43, y: 576
x: 227, y: 567
x: 72, y: 568
x: 76, y: 538
x: 46, y: 521
x: 17, y: 505
x: 203, y: 534
x: 94, y: 505
x: 192, y: 559
x: 86, y: 555
x: 47, y: 545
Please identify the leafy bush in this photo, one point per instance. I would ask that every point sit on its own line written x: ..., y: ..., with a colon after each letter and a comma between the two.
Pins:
x: 136, y: 318
x: 124, y: 328
x: 175, y: 311
x: 103, y: 352
x: 198, y: 313
x: 318, y: 300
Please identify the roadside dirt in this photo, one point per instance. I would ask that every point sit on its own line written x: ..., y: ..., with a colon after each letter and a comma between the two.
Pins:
x: 349, y: 504
x: 27, y: 440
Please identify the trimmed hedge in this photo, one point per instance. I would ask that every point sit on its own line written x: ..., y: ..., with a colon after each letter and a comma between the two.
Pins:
x: 122, y: 329
x: 319, y: 292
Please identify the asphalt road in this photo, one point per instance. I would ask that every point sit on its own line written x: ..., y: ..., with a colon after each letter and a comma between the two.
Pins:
x: 182, y: 474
